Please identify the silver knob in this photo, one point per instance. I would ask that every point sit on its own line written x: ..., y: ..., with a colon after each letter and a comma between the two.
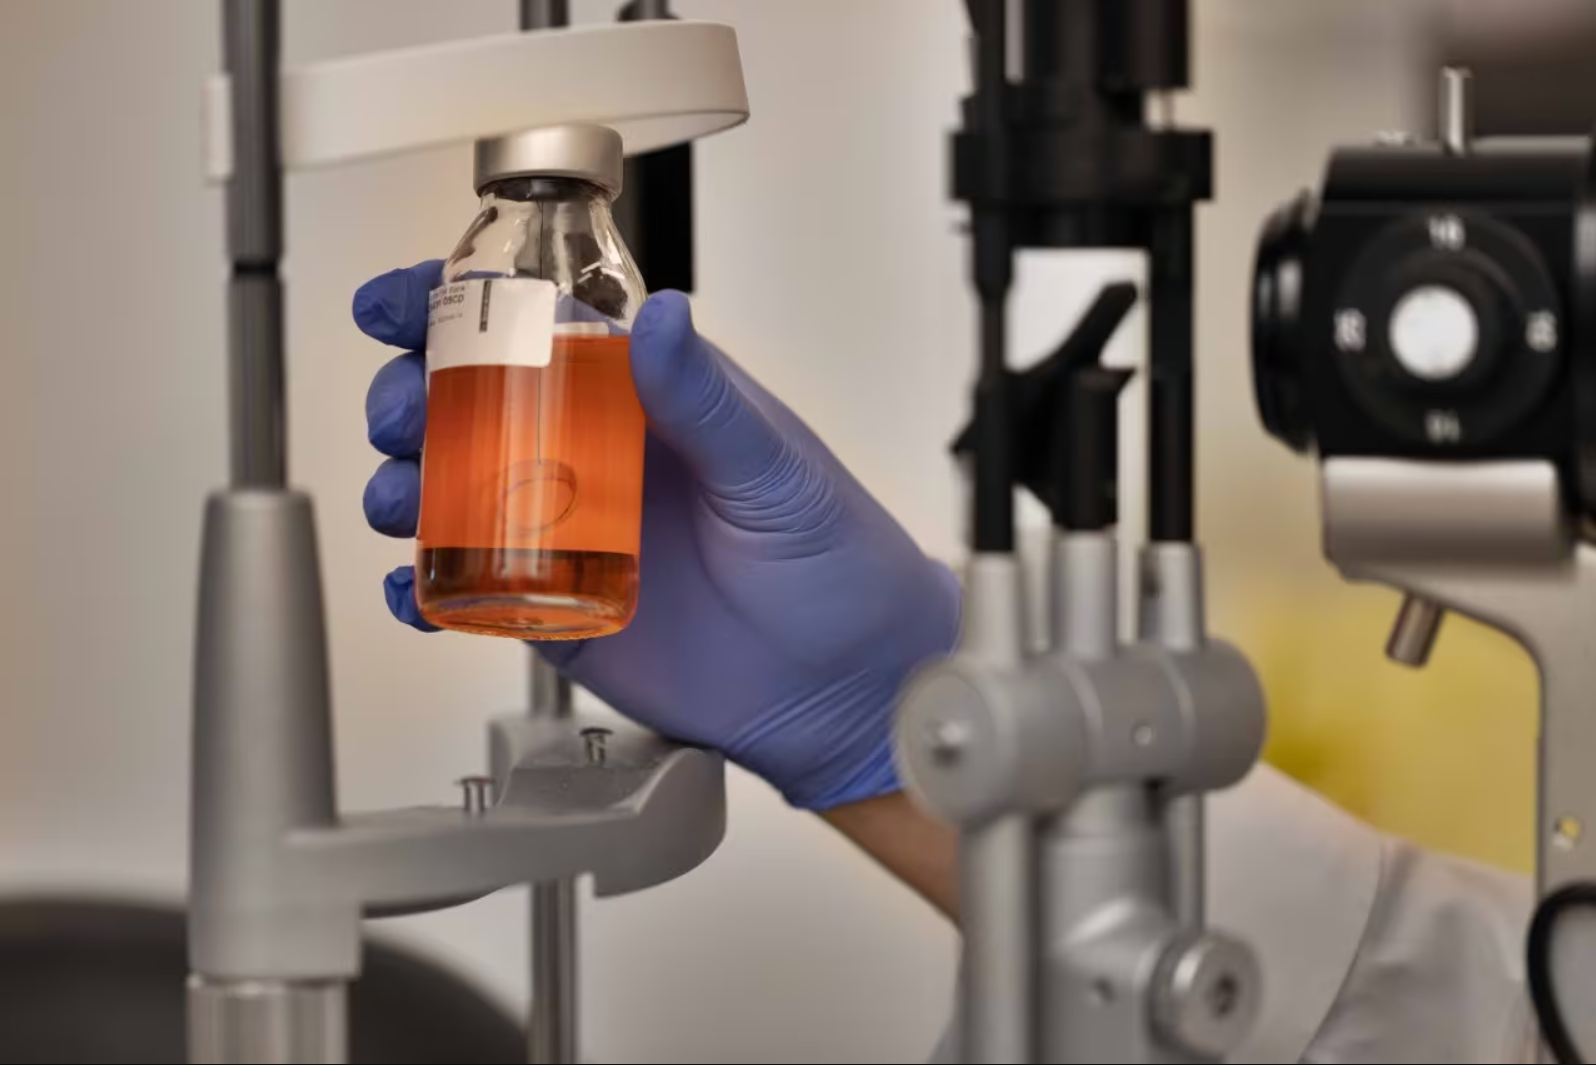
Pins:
x: 1418, y: 626
x: 1208, y: 996
x: 1457, y: 110
x: 477, y: 793
x: 1435, y: 333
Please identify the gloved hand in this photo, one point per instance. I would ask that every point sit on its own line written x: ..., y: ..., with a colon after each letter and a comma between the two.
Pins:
x: 781, y: 607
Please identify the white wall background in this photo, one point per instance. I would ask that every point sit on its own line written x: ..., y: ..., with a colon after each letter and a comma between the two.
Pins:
x: 831, y: 266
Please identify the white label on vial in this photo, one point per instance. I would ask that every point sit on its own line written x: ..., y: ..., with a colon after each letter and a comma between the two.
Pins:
x: 491, y: 322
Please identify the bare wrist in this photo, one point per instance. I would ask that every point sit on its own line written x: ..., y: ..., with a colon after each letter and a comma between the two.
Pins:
x: 908, y: 842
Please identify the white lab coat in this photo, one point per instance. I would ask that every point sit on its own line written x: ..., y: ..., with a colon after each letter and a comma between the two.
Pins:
x: 1373, y: 950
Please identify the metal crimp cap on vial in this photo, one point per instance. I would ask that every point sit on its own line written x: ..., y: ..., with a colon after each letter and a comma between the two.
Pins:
x: 587, y: 152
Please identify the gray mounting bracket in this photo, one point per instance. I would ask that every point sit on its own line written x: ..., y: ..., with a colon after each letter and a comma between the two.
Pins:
x: 1494, y: 542
x: 281, y: 882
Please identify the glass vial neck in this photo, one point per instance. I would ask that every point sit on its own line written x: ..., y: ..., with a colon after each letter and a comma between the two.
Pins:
x: 546, y: 190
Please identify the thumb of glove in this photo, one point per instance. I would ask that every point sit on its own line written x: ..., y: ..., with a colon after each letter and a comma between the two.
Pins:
x: 755, y: 477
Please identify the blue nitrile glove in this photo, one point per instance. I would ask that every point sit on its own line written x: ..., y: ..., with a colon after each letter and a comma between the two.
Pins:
x: 781, y: 607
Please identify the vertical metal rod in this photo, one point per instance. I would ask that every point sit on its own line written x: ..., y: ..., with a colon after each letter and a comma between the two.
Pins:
x: 545, y: 14
x: 253, y: 47
x: 1187, y: 823
x: 993, y: 268
x: 553, y: 1035
x: 1173, y: 613
x: 998, y: 911
x: 1172, y: 417
x: 550, y: 693
x: 997, y: 862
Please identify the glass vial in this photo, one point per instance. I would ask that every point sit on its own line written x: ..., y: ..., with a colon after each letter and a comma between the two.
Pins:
x: 532, y: 473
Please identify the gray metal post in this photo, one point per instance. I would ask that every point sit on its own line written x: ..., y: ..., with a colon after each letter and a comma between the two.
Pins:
x: 253, y: 32
x: 998, y: 875
x: 1173, y: 616
x: 553, y: 1036
x: 998, y: 900
x: 1106, y: 869
x: 263, y: 751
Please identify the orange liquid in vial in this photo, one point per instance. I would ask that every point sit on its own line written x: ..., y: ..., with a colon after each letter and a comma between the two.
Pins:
x: 532, y: 495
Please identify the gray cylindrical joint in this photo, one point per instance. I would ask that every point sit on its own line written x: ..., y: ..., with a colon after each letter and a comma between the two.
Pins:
x: 1418, y: 627
x: 1224, y: 716
x: 1457, y: 110
x: 281, y: 1022
x: 978, y: 743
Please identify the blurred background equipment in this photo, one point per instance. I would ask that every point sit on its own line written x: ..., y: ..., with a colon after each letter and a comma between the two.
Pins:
x: 1425, y: 326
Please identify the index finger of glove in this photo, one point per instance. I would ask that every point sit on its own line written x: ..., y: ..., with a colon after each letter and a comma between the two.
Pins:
x: 392, y: 308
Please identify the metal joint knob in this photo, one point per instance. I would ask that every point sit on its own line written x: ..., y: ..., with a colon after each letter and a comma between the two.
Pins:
x: 1418, y: 626
x: 1207, y: 995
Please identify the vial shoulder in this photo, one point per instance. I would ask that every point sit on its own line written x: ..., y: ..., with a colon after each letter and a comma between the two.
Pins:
x: 576, y: 247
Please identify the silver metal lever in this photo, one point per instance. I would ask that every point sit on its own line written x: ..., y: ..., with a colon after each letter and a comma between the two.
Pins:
x: 1417, y: 628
